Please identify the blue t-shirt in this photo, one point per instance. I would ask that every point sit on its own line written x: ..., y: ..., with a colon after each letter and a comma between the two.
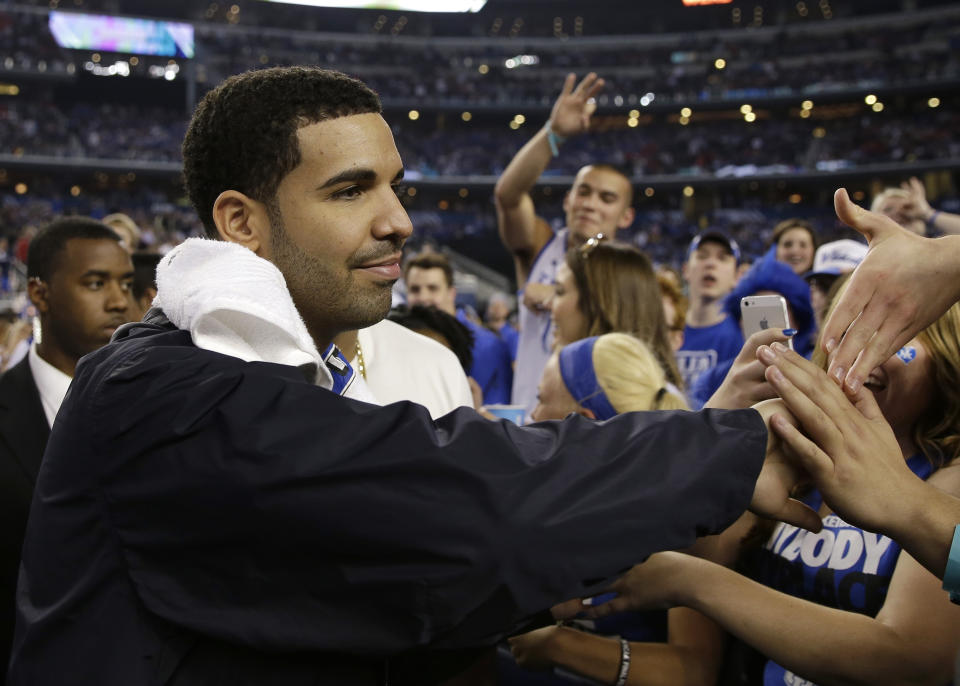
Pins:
x: 492, y: 367
x: 704, y: 347
x: 843, y: 567
x: 511, y: 337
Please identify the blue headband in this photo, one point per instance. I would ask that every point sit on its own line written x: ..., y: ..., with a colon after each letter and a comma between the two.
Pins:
x: 576, y: 369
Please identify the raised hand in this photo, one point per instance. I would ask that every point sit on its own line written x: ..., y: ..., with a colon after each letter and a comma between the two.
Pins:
x: 849, y: 449
x: 745, y: 384
x: 916, y: 206
x: 780, y: 474
x: 575, y: 106
x: 903, y: 284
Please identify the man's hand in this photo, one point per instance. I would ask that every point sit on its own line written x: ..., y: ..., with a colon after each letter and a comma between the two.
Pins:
x: 745, y: 385
x: 903, y: 284
x: 537, y: 296
x: 572, y: 111
x: 533, y: 650
x: 851, y: 453
x: 653, y: 585
x: 780, y: 474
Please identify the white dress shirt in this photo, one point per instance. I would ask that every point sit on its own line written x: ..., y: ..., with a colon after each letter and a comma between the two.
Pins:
x: 51, y: 383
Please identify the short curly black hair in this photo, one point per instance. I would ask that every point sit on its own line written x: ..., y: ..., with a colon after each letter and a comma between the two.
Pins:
x: 243, y: 134
x: 46, y: 248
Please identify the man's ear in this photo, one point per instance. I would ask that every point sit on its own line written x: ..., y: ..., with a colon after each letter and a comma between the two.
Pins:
x: 38, y: 291
x: 243, y: 220
x: 585, y: 412
x: 626, y: 219
x: 453, y: 298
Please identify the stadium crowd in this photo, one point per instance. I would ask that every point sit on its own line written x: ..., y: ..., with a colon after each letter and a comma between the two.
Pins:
x: 188, y: 498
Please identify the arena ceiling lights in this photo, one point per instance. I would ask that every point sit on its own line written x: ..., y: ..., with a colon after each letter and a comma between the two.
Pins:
x: 407, y: 5
x: 697, y: 3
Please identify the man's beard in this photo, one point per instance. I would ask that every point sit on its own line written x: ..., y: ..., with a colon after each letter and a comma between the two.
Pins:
x: 328, y: 302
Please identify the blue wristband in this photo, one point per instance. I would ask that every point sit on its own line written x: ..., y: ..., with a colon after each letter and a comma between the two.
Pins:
x: 933, y: 218
x: 951, y: 575
x: 555, y: 141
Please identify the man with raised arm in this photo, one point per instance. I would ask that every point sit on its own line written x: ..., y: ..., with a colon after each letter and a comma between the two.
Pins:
x: 598, y: 203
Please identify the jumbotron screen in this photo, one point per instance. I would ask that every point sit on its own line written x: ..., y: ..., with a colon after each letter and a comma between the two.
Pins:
x: 406, y: 5
x: 122, y: 34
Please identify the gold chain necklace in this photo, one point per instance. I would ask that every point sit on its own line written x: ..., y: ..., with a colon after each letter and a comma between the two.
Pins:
x: 360, y: 366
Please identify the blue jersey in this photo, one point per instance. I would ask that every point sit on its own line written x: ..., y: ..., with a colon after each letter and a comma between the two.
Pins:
x: 704, y: 347
x: 492, y: 367
x: 843, y: 567
x: 511, y: 337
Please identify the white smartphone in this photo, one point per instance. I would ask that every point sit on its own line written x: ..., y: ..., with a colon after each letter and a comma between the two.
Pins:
x: 763, y: 312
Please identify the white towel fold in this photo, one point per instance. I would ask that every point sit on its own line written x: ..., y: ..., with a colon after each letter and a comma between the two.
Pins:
x: 236, y: 303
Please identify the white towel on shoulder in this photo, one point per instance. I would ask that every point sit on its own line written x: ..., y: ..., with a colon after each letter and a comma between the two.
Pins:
x: 237, y: 303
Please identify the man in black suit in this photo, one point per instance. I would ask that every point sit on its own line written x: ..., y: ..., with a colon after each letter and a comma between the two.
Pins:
x: 79, y: 281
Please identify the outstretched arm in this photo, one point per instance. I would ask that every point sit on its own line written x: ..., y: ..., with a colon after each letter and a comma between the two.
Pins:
x: 903, y: 284
x: 521, y: 231
x: 913, y: 639
x: 691, y: 657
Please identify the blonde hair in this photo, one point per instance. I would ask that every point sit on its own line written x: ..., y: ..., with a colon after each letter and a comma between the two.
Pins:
x: 119, y: 220
x: 670, y: 289
x: 631, y: 376
x: 890, y: 192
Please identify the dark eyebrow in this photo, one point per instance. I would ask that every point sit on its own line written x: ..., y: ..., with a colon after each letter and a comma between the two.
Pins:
x: 359, y: 174
x: 103, y: 274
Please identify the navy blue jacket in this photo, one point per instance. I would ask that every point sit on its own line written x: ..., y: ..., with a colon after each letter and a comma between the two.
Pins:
x: 203, y: 520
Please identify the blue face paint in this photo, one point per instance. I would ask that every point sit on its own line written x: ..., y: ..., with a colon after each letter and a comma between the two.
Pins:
x: 907, y: 354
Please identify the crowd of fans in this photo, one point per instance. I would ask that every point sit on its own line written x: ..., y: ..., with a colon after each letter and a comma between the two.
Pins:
x: 621, y: 306
x: 774, y: 143
x: 777, y: 64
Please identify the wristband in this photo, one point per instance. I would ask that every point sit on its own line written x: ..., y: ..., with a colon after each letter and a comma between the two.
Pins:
x: 951, y: 575
x: 555, y: 141
x: 625, y: 663
x: 933, y: 218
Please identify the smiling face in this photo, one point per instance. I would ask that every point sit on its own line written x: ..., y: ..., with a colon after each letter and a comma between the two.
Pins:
x: 569, y: 322
x: 903, y: 387
x: 553, y: 399
x: 598, y: 202
x: 337, y: 227
x: 429, y: 287
x: 795, y: 248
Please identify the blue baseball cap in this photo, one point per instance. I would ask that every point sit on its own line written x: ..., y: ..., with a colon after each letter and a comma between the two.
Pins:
x: 715, y: 236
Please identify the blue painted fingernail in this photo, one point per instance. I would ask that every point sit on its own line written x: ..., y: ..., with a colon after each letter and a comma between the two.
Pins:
x: 600, y: 599
x: 789, y: 332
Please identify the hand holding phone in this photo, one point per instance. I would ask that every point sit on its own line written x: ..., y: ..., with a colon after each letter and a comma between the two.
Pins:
x: 763, y: 312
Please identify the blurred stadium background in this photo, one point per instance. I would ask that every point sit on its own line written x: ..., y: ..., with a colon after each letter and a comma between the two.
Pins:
x: 733, y: 115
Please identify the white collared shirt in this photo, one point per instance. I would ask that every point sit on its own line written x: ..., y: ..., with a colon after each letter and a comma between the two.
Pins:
x: 52, y: 384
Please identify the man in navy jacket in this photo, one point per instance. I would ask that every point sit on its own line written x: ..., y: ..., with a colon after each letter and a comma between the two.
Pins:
x: 201, y: 518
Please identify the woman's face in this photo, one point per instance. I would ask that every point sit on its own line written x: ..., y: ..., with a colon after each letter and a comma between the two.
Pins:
x: 553, y: 399
x: 795, y: 248
x: 569, y: 324
x: 903, y: 387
